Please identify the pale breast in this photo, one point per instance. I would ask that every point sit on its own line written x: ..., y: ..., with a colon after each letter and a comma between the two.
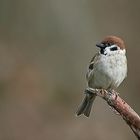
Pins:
x: 108, y: 72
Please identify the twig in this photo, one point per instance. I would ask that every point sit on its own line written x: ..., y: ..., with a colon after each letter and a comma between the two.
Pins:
x: 117, y: 103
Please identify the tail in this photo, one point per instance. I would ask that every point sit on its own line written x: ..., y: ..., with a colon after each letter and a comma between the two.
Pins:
x: 85, y: 107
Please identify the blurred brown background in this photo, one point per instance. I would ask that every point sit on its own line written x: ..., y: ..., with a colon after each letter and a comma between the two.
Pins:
x: 45, y: 47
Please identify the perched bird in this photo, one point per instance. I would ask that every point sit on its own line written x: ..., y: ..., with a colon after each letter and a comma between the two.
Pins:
x: 107, y: 70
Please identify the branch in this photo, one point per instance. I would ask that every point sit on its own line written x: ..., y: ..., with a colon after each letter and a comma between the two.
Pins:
x: 125, y: 111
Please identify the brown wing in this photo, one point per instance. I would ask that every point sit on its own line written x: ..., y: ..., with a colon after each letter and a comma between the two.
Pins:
x: 91, y: 66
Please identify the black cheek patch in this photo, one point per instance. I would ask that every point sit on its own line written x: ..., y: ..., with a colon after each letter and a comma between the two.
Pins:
x: 102, y: 51
x: 114, y: 49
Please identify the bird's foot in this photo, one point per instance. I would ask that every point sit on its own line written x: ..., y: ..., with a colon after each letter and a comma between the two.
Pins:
x: 91, y: 90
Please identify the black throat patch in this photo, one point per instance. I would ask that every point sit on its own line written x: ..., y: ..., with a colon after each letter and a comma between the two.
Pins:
x: 102, y: 51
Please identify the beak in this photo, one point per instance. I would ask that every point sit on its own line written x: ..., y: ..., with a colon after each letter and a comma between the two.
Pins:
x: 100, y: 45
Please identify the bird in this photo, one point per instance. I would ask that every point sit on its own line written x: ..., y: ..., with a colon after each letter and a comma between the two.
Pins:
x: 107, y: 70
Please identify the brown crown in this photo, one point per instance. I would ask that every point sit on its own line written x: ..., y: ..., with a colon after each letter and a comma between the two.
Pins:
x: 114, y: 40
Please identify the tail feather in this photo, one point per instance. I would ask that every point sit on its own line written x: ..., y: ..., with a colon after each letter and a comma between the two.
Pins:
x: 85, y: 107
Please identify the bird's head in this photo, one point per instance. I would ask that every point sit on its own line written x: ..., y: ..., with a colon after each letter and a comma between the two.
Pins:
x: 111, y: 45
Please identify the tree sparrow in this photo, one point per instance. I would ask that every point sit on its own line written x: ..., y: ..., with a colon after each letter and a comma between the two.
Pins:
x: 107, y: 70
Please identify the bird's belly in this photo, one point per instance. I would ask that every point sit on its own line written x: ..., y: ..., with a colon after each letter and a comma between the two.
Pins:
x: 100, y: 80
x: 107, y: 76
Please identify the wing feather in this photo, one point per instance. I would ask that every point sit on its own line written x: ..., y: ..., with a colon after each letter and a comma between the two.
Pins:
x: 91, y: 66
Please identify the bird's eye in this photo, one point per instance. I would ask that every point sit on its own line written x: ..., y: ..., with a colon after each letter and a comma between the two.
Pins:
x: 108, y: 44
x: 113, y: 48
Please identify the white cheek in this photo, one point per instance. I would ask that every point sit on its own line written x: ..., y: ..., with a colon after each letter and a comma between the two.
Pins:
x: 107, y: 51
